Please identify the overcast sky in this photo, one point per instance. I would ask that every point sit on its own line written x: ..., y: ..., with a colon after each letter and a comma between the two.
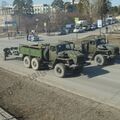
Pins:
x: 114, y: 2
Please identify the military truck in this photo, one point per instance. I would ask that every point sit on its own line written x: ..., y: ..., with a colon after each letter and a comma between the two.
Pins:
x: 96, y: 48
x: 60, y: 56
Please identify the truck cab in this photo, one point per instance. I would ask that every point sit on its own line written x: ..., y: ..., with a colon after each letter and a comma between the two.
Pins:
x: 96, y: 48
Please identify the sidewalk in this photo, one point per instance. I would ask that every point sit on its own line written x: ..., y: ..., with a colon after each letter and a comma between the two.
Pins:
x: 5, y: 116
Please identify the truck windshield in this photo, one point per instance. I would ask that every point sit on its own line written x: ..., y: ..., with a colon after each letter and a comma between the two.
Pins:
x: 64, y: 47
x: 101, y: 41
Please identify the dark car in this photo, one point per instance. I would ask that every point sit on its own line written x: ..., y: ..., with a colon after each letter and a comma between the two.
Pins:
x: 93, y: 27
x: 69, y: 28
x: 62, y: 32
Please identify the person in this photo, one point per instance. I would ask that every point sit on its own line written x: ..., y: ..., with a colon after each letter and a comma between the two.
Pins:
x: 106, y: 29
x: 8, y: 35
x: 27, y: 34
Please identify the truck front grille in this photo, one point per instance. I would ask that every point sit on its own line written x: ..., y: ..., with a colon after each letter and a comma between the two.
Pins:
x: 116, y: 51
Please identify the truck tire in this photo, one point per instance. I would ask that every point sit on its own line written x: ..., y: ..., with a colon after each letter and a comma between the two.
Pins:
x: 27, y: 62
x: 99, y: 59
x: 59, y: 70
x: 35, y: 64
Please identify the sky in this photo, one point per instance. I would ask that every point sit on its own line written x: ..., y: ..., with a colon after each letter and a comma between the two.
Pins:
x: 114, y: 2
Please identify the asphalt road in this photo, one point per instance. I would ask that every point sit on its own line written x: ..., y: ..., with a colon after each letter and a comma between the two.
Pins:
x: 98, y: 83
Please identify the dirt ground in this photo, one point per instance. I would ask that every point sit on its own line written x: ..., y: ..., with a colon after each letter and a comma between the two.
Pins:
x: 32, y: 100
x: 114, y: 38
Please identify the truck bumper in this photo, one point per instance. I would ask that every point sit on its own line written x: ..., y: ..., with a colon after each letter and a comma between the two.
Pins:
x: 111, y: 57
x: 73, y: 68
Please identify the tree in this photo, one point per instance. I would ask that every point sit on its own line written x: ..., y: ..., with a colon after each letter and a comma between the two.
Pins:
x: 69, y: 7
x: 84, y: 8
x: 58, y: 4
x: 94, y: 9
x: 28, y: 7
x: 73, y: 1
x: 23, y: 7
x: 104, y: 6
x: 19, y: 6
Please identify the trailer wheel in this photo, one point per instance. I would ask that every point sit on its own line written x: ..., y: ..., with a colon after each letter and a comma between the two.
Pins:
x: 27, y: 62
x: 99, y: 59
x: 35, y: 63
x: 60, y: 70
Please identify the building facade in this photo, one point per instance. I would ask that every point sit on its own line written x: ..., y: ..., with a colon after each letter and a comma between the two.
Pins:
x: 8, y: 10
x: 43, y: 9
x: 75, y: 2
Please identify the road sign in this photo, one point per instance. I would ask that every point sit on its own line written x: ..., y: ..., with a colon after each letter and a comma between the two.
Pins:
x: 45, y: 24
x: 99, y: 23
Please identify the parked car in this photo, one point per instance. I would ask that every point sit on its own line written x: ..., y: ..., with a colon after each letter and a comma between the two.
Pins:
x: 69, y: 28
x: 78, y: 30
x: 62, y: 31
x: 93, y: 27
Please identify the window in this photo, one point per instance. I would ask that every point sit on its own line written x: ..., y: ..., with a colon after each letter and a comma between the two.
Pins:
x: 63, y: 47
x: 53, y: 48
x: 92, y: 42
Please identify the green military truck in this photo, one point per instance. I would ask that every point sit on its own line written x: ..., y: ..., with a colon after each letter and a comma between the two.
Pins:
x: 96, y: 48
x: 60, y: 56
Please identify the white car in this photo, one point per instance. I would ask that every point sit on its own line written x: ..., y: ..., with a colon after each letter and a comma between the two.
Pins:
x: 78, y: 30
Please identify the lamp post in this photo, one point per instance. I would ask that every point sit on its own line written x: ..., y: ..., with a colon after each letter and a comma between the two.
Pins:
x: 37, y: 22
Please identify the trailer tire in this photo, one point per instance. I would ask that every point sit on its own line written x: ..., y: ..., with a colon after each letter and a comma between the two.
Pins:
x: 100, y: 60
x: 35, y: 64
x: 27, y: 61
x: 60, y: 70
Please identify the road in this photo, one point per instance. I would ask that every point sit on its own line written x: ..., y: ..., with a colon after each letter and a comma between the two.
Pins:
x: 101, y: 84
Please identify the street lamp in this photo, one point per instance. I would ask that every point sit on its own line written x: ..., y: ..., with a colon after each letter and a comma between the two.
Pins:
x: 37, y: 21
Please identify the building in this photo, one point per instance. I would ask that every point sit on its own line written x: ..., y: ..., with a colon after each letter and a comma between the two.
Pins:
x: 6, y: 19
x: 43, y: 8
x: 7, y: 10
x: 75, y: 2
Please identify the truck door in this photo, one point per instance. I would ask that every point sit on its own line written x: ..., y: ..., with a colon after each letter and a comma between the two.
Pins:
x: 92, y: 47
x: 52, y: 53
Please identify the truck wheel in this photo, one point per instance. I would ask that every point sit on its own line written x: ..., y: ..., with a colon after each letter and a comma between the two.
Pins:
x: 35, y: 63
x: 99, y: 59
x: 60, y: 70
x: 27, y: 62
